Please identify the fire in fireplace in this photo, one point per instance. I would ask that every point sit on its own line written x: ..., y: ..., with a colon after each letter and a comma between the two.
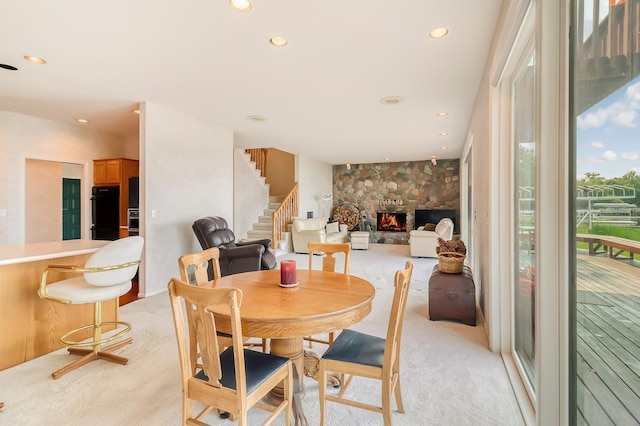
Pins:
x: 392, y: 222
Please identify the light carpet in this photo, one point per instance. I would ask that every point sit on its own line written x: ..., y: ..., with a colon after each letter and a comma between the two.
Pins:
x: 448, y: 374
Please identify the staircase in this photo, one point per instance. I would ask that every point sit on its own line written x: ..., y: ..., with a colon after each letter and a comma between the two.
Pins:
x: 264, y: 228
x: 282, y: 210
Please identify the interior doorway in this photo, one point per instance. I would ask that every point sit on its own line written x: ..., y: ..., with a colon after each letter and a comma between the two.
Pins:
x: 44, y: 200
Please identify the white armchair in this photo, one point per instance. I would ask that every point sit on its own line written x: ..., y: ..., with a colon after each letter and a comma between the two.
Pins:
x: 304, y: 231
x: 423, y: 243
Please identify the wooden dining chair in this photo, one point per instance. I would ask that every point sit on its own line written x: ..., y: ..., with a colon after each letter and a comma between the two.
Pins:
x: 194, y: 270
x: 233, y: 380
x: 329, y: 252
x: 358, y: 354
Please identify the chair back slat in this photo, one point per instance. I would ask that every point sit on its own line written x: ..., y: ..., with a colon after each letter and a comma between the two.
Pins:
x: 402, y: 281
x: 329, y: 259
x: 205, y: 332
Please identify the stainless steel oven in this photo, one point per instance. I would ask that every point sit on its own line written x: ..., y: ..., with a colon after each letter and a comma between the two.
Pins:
x: 133, y: 216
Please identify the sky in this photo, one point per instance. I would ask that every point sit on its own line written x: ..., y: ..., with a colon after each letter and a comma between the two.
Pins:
x: 608, y: 134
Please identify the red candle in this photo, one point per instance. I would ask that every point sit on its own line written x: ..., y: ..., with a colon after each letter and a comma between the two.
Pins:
x: 288, y: 272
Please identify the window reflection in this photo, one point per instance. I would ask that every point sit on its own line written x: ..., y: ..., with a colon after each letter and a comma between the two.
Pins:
x: 524, y: 194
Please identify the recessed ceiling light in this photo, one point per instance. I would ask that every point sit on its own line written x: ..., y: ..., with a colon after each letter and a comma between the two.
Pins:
x: 444, y: 147
x: 278, y: 41
x: 35, y: 59
x: 391, y: 100
x: 240, y: 5
x: 135, y: 111
x: 82, y: 120
x: 442, y: 114
x: 443, y: 133
x: 439, y: 32
x: 255, y: 118
x: 8, y: 67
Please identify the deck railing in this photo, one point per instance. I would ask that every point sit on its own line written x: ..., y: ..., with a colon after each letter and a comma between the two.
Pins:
x: 609, y: 54
x: 284, y: 215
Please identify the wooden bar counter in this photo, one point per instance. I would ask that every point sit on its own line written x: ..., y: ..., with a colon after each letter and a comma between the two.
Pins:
x: 31, y: 326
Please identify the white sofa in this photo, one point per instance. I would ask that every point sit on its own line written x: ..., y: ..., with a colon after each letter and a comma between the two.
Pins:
x: 423, y: 243
x: 304, y: 231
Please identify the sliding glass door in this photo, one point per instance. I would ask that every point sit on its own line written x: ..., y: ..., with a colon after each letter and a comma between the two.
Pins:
x: 605, y: 104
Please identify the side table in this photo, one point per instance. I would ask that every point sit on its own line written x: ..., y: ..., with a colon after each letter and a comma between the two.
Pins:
x: 452, y: 296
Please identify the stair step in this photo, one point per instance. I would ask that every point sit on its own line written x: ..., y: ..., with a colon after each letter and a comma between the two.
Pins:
x: 258, y: 235
x: 262, y: 226
x: 273, y: 206
x: 265, y: 219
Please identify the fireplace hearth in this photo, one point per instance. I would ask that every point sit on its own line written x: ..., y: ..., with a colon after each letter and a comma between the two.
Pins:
x: 394, y: 222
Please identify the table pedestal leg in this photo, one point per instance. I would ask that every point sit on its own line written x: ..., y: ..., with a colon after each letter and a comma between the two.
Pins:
x: 292, y: 348
x: 312, y: 369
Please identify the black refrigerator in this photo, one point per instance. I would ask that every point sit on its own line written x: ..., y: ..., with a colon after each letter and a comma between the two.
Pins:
x: 105, y: 212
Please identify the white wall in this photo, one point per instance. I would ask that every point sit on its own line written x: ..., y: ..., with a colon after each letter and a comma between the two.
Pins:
x: 250, y: 194
x: 23, y: 136
x: 483, y: 194
x: 315, y: 179
x: 186, y: 169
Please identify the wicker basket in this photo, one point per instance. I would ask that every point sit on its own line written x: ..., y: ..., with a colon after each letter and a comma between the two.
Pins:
x: 451, y: 262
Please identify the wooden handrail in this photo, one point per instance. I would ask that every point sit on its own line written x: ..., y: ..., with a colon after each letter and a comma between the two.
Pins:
x: 259, y: 156
x: 284, y: 215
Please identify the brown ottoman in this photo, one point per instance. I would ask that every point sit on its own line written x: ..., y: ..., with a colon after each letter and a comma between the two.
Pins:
x: 452, y: 296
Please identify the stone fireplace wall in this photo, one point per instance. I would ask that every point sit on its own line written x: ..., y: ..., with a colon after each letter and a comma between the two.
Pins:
x: 396, y: 187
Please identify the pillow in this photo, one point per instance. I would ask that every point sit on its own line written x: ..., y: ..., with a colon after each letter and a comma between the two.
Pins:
x: 333, y: 227
x: 429, y: 227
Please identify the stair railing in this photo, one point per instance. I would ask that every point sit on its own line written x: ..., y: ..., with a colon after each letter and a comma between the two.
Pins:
x: 284, y: 215
x: 259, y: 156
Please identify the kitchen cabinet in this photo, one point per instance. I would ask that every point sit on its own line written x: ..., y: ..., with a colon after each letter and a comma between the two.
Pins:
x: 116, y: 172
x: 107, y: 172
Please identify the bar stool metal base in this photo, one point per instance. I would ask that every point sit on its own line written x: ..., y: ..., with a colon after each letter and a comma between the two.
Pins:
x: 89, y: 355
x: 95, y: 351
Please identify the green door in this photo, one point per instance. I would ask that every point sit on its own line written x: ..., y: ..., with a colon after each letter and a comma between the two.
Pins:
x: 70, y: 209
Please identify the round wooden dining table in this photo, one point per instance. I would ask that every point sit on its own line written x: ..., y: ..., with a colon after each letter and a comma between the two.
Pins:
x: 321, y: 302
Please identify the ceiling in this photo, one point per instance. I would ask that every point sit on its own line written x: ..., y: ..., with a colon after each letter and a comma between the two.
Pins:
x: 319, y: 95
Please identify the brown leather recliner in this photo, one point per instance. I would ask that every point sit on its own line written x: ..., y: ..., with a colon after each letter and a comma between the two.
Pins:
x: 235, y: 257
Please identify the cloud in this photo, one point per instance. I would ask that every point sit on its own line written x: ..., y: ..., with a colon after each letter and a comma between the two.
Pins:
x: 609, y: 156
x: 633, y: 93
x: 622, y: 113
x: 598, y: 145
x: 625, y: 118
x: 630, y: 156
x: 594, y: 119
x: 591, y: 160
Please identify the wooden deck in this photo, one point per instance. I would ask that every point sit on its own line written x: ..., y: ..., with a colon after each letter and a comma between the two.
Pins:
x: 608, y: 341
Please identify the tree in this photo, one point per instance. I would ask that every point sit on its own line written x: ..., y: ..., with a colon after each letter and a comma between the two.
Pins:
x: 591, y: 178
x: 631, y: 180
